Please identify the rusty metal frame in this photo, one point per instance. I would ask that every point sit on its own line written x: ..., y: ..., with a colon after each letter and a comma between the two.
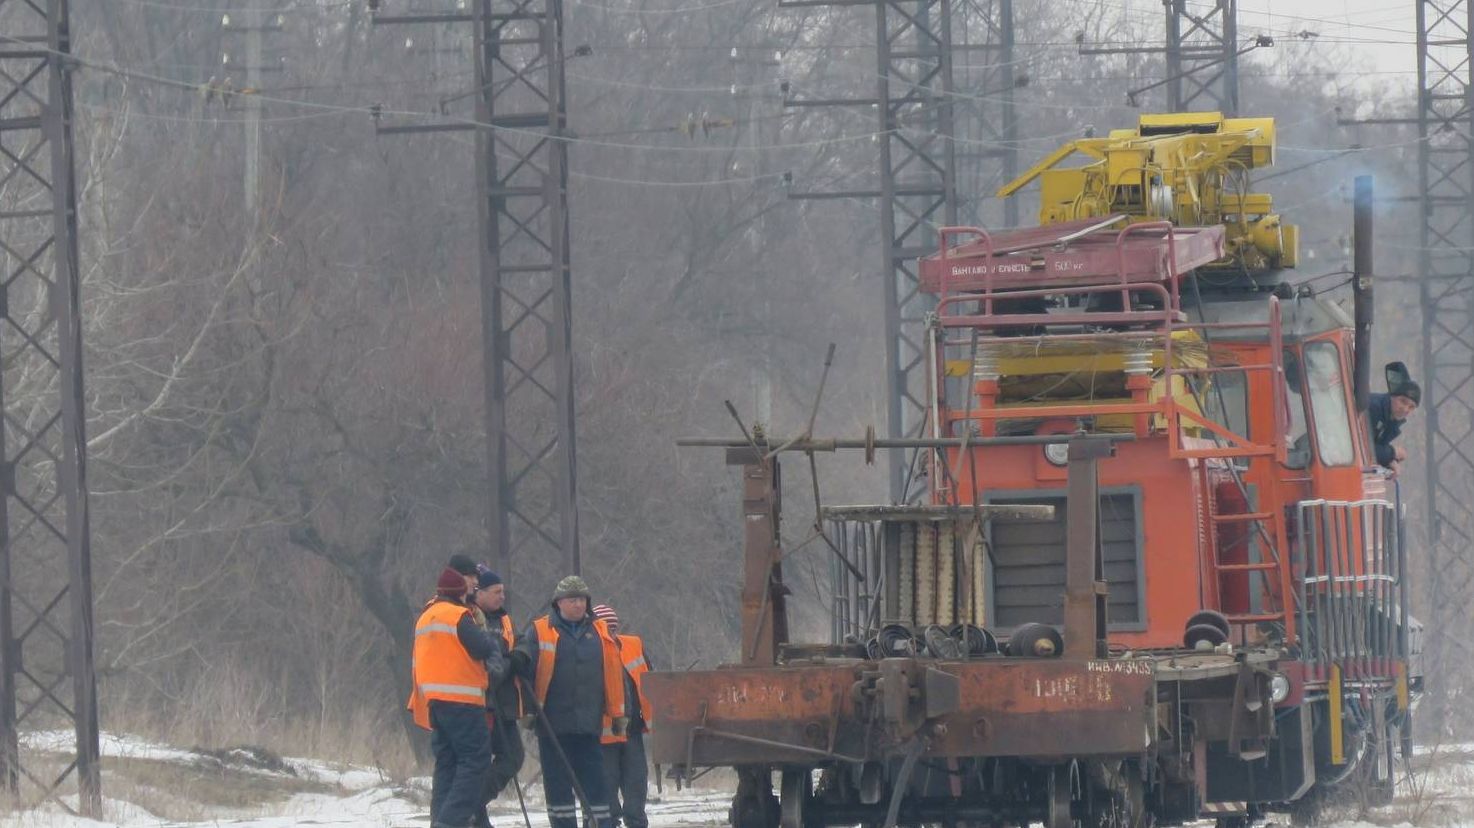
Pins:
x: 46, y: 636
x: 764, y: 611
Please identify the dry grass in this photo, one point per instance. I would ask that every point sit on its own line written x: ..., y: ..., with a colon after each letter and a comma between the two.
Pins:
x: 243, y: 706
x: 180, y: 791
x: 192, y: 790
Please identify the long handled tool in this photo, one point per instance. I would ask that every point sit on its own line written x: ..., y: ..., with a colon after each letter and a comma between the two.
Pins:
x: 530, y: 699
x: 517, y: 784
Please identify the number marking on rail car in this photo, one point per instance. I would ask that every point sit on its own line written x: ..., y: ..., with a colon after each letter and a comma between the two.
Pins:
x: 1132, y: 667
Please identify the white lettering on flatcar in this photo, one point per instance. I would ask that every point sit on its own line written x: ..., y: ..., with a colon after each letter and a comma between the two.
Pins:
x: 1130, y: 667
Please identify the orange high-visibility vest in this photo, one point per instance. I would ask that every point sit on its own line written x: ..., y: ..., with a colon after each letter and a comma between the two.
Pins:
x: 632, y: 653
x: 509, y: 635
x: 443, y: 670
x: 547, y: 660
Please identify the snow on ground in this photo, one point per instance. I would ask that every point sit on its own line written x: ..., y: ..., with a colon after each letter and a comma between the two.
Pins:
x: 343, y: 796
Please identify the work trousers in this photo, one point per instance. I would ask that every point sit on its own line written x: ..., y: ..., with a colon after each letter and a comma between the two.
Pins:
x: 626, y: 777
x: 461, y: 743
x: 507, y: 755
x: 583, y: 753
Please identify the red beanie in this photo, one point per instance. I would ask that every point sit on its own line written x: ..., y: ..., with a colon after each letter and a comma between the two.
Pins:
x: 452, y: 584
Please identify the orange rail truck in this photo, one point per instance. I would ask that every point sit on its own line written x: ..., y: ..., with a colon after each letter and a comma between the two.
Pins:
x: 1158, y: 577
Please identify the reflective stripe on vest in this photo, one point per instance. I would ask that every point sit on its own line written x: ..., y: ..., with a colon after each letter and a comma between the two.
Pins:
x: 456, y: 689
x: 632, y: 649
x: 442, y: 669
x: 547, y: 661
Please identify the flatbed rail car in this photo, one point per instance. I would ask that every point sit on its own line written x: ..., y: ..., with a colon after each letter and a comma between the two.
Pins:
x: 1212, y: 619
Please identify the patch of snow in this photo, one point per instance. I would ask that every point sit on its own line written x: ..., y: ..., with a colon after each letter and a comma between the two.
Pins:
x: 112, y: 745
x: 371, y: 800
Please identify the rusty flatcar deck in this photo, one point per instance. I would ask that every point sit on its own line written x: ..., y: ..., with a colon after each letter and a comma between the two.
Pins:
x: 854, y: 710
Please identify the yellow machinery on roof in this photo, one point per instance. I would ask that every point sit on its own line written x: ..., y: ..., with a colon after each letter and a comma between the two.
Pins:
x: 1189, y: 168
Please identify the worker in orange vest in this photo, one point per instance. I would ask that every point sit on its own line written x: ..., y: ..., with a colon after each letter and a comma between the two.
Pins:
x: 454, y: 660
x: 626, y: 772
x: 577, y: 678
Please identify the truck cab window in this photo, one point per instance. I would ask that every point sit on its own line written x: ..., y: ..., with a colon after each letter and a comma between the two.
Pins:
x: 1298, y: 436
x: 1328, y: 404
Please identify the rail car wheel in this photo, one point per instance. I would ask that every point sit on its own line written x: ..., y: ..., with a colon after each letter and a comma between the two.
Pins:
x: 754, y: 806
x: 1305, y: 812
x: 795, y: 791
x: 1117, y: 798
x: 1064, y: 792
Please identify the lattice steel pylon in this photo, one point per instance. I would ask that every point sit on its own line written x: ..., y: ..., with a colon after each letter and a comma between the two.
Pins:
x: 986, y: 118
x: 47, y: 679
x: 1202, y: 57
x: 524, y: 273
x: 918, y: 194
x: 1446, y: 293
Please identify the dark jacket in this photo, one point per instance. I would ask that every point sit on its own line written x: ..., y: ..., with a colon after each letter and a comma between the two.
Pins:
x: 1384, y: 429
x: 502, y: 700
x: 575, y: 702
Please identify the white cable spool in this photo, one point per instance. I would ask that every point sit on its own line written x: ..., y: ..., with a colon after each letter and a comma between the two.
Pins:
x: 926, y: 573
x: 946, y: 573
x: 907, y: 581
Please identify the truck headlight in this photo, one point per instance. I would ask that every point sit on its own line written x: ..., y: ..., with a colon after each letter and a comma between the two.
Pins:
x: 1057, y: 453
x: 1279, y: 688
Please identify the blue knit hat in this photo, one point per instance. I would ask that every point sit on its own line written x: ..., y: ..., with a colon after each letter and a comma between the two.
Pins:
x: 485, y: 577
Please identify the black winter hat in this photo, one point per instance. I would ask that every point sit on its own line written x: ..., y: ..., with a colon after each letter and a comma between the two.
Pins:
x: 1411, y: 390
x: 462, y: 564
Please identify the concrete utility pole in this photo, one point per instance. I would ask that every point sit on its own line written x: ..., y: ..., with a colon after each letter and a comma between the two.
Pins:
x: 749, y: 80
x: 47, y: 678
x: 252, y: 24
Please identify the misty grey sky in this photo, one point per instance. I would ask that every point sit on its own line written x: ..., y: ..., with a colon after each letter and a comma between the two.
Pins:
x: 1381, y: 32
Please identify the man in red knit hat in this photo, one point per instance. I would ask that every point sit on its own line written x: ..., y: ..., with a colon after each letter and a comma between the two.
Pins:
x: 626, y: 772
x: 454, y: 660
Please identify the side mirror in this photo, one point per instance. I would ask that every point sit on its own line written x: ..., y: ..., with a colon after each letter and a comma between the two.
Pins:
x: 1397, y: 376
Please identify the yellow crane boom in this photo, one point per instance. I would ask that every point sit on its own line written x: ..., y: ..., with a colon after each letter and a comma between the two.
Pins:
x: 1189, y: 168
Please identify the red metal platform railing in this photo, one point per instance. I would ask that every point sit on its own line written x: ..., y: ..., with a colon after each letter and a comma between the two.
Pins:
x: 1138, y: 262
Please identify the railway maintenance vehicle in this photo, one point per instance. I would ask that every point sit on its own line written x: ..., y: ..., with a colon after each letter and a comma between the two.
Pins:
x: 1157, y: 576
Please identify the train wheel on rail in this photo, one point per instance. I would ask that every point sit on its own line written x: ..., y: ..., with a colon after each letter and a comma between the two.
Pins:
x: 754, y: 806
x: 795, y: 794
x: 1118, y: 798
x: 1305, y: 812
x: 1064, y: 792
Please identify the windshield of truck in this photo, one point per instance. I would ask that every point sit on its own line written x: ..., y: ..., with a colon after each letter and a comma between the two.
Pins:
x: 1298, y: 436
x: 1328, y: 403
